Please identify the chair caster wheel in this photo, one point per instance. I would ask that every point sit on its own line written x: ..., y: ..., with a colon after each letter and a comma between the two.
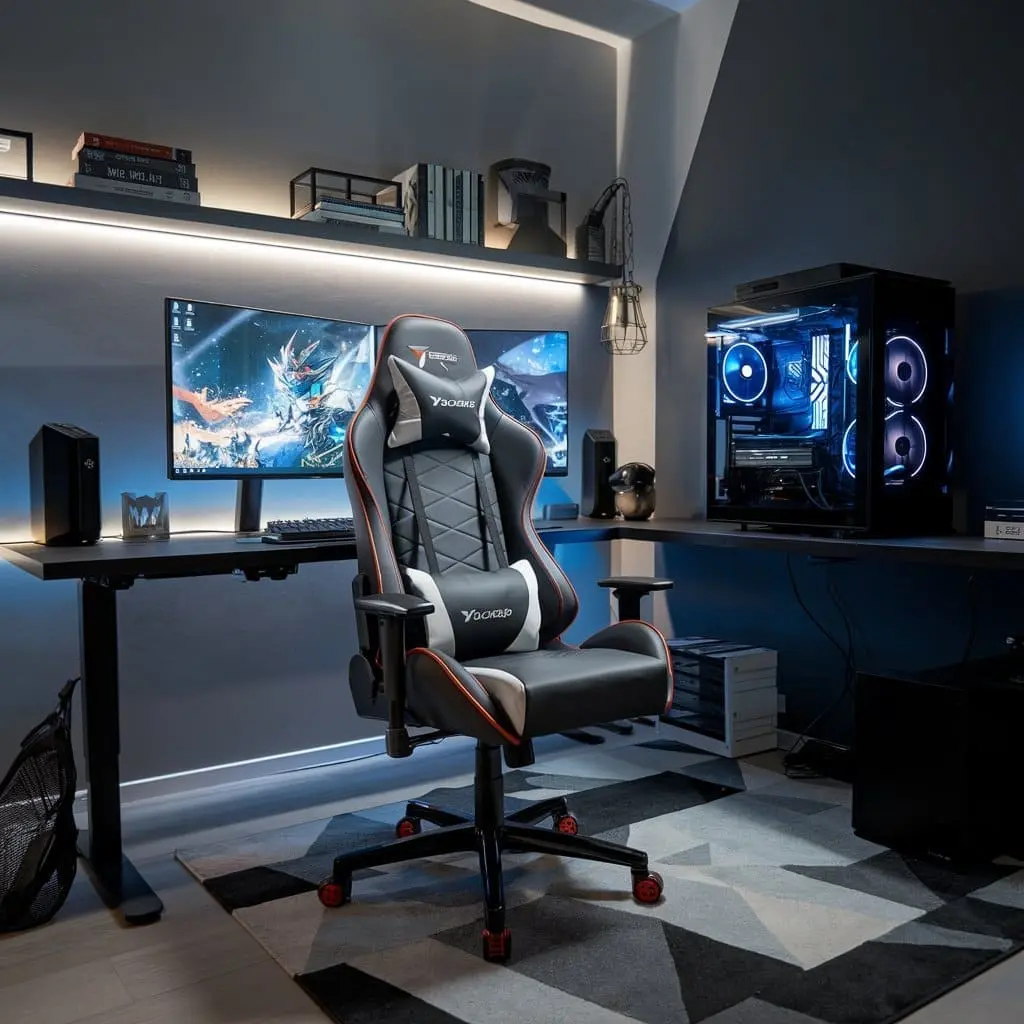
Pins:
x: 648, y: 888
x: 497, y: 946
x: 332, y: 893
x: 567, y: 824
x: 408, y: 827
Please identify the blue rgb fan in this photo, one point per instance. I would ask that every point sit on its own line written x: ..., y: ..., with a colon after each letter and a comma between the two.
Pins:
x: 905, y: 445
x: 850, y: 449
x: 851, y: 363
x: 906, y: 371
x: 744, y: 372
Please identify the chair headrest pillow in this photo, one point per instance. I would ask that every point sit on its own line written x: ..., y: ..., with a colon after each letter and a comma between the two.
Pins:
x: 431, y: 407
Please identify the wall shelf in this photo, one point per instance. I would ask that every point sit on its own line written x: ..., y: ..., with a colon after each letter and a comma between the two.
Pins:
x: 58, y: 202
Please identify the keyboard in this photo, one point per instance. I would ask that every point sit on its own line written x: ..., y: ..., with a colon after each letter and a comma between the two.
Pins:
x: 298, y: 531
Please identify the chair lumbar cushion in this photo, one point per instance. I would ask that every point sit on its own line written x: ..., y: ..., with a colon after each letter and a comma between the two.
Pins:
x: 431, y: 407
x: 479, y: 613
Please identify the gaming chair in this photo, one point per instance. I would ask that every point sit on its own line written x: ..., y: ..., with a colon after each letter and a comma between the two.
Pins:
x: 460, y: 609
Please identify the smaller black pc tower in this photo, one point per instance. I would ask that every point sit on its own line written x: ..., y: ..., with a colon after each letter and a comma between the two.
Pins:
x: 599, y: 454
x: 828, y: 403
x: 64, y: 485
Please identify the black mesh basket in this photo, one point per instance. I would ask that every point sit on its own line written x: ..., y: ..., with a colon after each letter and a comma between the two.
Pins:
x: 38, y: 835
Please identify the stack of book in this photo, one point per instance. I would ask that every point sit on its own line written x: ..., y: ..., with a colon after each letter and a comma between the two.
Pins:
x: 725, y: 697
x: 328, y: 209
x: 443, y: 203
x: 146, y: 170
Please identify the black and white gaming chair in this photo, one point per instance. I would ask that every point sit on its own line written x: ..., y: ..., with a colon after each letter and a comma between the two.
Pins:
x: 461, y: 608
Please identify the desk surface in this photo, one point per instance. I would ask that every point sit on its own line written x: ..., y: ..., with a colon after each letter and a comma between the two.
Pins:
x: 194, y: 554
x: 972, y: 552
x: 217, y: 553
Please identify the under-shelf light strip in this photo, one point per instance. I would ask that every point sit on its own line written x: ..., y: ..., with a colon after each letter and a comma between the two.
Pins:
x: 242, y: 236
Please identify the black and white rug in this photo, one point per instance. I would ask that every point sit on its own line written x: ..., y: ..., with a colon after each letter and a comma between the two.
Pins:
x: 773, y: 913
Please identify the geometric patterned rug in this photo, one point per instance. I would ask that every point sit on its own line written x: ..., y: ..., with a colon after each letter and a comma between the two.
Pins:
x: 774, y: 912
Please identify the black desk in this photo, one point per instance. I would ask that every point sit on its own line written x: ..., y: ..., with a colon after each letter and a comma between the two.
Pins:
x: 114, y: 565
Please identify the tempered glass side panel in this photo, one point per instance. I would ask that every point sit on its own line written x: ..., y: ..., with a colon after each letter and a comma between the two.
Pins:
x: 783, y: 380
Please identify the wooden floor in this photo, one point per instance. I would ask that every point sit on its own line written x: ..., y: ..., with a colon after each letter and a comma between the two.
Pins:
x: 197, y: 966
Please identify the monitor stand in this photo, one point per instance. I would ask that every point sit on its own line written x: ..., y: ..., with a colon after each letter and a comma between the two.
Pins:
x: 248, y: 506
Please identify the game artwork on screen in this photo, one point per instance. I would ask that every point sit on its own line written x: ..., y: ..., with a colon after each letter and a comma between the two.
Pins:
x: 530, y: 383
x: 262, y: 393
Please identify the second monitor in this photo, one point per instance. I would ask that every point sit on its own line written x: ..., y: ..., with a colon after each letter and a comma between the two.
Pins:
x: 531, y: 384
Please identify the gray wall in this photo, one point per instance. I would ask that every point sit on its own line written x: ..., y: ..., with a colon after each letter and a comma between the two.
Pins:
x: 881, y: 133
x: 214, y: 671
x: 260, y: 90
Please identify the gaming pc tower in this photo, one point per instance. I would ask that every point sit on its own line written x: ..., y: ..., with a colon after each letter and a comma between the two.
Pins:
x: 828, y: 403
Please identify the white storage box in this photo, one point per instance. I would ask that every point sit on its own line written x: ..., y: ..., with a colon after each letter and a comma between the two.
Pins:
x: 726, y: 696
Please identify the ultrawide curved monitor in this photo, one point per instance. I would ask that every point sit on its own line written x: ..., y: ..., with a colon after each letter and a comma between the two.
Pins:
x: 255, y: 393
x: 531, y: 384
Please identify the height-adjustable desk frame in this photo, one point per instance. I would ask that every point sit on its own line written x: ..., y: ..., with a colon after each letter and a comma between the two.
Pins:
x: 103, y: 570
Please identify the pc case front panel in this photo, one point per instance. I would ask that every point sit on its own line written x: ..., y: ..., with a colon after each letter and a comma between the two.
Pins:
x: 786, y: 388
x: 910, y: 449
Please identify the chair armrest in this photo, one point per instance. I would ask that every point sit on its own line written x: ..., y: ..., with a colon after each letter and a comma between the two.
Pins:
x: 394, y: 612
x: 630, y: 589
x: 393, y: 606
x: 638, y: 584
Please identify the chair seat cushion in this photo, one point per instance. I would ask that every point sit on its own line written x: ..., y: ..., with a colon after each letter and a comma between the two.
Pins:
x: 621, y: 672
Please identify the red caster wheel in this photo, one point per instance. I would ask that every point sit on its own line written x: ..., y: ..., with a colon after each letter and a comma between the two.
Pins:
x: 648, y: 888
x: 408, y: 827
x: 331, y: 893
x: 567, y: 824
x: 497, y: 945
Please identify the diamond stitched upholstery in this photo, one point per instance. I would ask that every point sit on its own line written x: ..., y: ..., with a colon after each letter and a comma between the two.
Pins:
x: 448, y: 487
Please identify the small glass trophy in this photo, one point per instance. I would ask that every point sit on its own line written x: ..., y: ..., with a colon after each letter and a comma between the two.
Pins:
x: 145, y: 516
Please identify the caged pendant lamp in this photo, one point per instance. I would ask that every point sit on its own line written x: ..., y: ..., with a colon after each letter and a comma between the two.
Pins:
x: 623, y: 329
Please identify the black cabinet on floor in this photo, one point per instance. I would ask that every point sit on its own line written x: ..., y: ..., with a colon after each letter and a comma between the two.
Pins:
x: 940, y: 768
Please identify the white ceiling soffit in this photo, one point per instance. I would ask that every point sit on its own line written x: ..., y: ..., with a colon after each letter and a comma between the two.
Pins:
x: 613, y: 22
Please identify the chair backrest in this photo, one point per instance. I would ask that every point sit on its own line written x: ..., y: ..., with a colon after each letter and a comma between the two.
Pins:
x: 442, y: 485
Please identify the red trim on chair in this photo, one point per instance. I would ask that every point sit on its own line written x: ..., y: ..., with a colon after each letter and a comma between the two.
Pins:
x: 369, y: 534
x: 526, y: 521
x: 668, y: 656
x: 357, y: 466
x: 481, y: 710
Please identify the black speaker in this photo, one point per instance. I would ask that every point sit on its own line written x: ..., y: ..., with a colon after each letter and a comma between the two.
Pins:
x: 598, y: 465
x: 64, y: 484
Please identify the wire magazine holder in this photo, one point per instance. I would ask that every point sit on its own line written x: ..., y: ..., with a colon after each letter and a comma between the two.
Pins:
x: 38, y: 835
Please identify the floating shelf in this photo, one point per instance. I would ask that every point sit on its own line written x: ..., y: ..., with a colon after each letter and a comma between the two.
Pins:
x: 58, y: 202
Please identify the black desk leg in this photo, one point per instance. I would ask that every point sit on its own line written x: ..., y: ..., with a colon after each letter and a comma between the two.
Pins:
x: 119, y: 885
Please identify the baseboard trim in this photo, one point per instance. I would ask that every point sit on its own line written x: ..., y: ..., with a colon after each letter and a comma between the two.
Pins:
x: 248, y: 770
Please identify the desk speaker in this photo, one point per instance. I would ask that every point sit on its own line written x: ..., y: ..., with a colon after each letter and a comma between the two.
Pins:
x: 64, y: 485
x: 598, y: 465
